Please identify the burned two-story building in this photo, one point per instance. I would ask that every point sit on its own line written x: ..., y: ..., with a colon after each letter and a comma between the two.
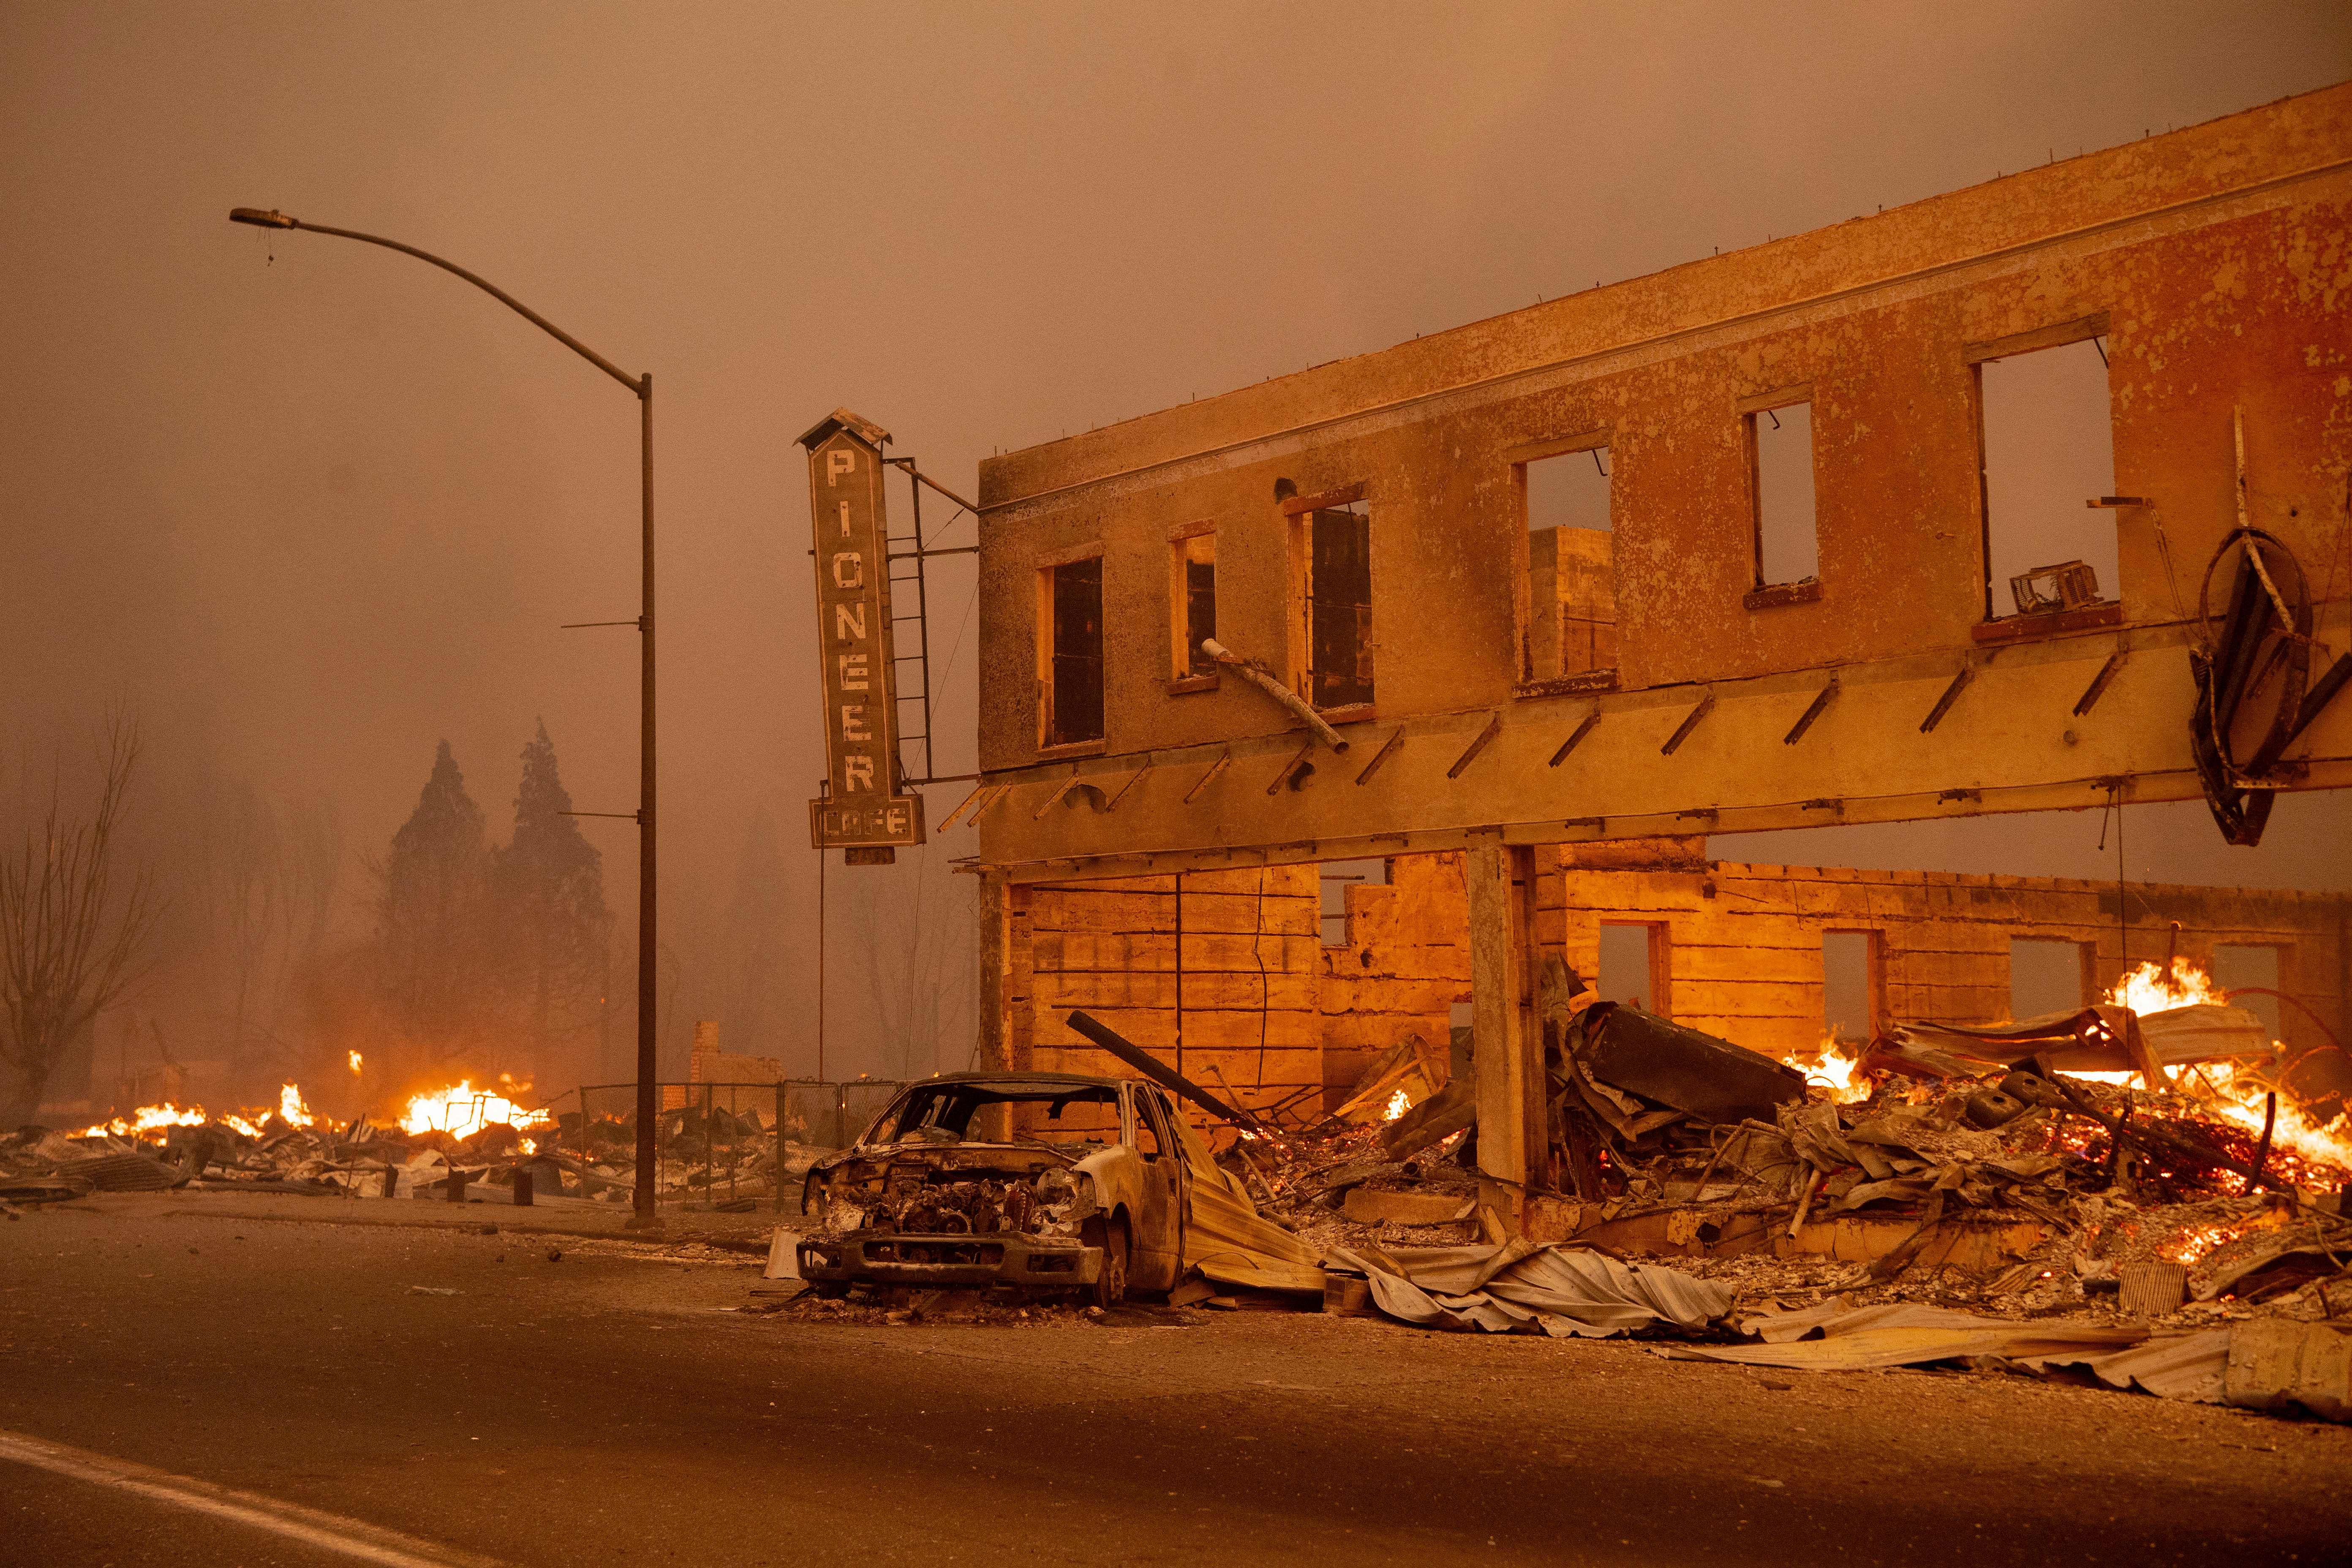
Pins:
x: 1311, y: 713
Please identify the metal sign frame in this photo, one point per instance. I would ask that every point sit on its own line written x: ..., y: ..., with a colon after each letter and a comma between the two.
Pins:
x: 866, y: 805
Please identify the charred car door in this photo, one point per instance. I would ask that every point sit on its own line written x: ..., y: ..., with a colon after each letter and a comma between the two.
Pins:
x: 1157, y: 1244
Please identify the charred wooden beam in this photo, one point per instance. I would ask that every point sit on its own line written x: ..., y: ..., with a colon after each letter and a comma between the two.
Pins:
x: 1582, y: 730
x: 1682, y: 732
x: 1805, y: 720
x: 1155, y: 1069
x: 1294, y: 772
x: 1485, y: 738
x: 1944, y: 703
x: 2099, y: 683
x: 1224, y: 760
x: 1380, y: 757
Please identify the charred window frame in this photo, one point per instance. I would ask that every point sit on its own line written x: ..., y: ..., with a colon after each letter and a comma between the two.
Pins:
x: 1331, y: 597
x: 2056, y: 521
x: 1191, y: 606
x: 1782, y: 449
x: 1070, y: 650
x: 1565, y: 600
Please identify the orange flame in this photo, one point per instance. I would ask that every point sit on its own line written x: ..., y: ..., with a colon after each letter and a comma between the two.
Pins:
x: 1399, y: 1103
x: 1832, y: 1066
x: 2239, y: 1100
x: 465, y: 1110
x: 147, y: 1119
x: 355, y: 1061
x: 2147, y: 988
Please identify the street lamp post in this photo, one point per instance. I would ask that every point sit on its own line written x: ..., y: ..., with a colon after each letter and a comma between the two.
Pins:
x: 648, y: 1106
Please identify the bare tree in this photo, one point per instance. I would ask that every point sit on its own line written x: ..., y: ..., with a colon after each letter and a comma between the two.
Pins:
x: 910, y: 947
x: 68, y: 943
x: 269, y: 878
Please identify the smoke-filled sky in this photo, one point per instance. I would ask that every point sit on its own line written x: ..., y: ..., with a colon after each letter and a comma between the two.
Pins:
x: 308, y: 508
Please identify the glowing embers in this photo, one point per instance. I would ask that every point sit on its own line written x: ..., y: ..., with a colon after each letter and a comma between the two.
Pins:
x: 2239, y: 1098
x: 465, y: 1110
x: 2192, y: 1244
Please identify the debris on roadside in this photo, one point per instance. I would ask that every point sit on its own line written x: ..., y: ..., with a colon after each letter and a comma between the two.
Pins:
x: 725, y: 1159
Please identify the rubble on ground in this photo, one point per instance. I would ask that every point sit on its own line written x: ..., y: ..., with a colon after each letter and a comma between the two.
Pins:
x: 724, y: 1160
x: 2099, y: 1213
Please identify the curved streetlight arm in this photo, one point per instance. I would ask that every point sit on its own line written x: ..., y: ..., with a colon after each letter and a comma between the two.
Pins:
x: 261, y: 218
x: 649, y: 1107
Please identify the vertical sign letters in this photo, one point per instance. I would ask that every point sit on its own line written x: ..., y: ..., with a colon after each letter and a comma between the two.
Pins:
x: 863, y: 809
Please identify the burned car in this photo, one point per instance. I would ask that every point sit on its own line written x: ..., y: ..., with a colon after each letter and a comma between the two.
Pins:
x: 1049, y: 1181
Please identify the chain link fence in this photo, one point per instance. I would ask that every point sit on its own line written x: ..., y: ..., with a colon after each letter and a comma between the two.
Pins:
x: 730, y: 1146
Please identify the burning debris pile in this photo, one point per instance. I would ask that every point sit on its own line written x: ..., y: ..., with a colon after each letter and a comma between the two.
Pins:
x: 2129, y: 1171
x: 485, y: 1144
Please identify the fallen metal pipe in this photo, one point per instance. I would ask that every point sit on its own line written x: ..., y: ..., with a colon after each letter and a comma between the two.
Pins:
x: 1256, y: 676
x: 1159, y: 1072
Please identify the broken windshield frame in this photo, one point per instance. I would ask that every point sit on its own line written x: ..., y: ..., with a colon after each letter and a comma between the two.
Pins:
x: 944, y: 1111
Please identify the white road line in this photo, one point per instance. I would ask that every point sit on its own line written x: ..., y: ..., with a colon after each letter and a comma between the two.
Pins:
x: 329, y: 1531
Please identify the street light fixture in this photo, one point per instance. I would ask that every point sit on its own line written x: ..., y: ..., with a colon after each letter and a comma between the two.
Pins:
x: 649, y: 1108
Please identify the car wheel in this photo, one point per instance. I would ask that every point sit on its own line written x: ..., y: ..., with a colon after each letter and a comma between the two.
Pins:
x: 1110, y: 1284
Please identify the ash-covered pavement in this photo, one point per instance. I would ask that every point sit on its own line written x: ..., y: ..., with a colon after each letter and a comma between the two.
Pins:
x: 614, y: 1406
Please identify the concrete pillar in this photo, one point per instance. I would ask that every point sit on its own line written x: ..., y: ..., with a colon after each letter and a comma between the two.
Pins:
x: 996, y: 978
x: 1507, y: 1054
x: 995, y: 1121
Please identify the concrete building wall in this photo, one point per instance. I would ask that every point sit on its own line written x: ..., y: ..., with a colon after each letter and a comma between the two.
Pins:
x: 2211, y: 263
x: 1740, y: 947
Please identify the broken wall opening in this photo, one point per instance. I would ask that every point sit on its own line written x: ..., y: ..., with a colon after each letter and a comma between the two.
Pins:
x: 1769, y: 957
x: 1193, y: 604
x: 1331, y: 567
x: 2237, y: 965
x: 1070, y: 657
x: 2045, y: 975
x: 1780, y: 469
x: 1336, y: 877
x: 2048, y: 448
x: 1572, y: 615
x: 1632, y: 963
x: 1851, y: 1010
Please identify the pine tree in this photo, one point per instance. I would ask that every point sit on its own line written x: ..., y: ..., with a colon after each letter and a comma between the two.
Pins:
x: 433, y: 921
x: 551, y: 894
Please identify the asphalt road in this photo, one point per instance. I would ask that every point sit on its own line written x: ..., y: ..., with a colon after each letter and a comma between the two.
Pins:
x: 613, y: 1407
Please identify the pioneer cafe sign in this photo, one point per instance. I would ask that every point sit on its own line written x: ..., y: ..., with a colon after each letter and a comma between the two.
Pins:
x: 863, y: 810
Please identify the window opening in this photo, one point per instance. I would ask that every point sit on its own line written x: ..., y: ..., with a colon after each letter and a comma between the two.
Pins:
x: 1338, y: 595
x: 1780, y: 467
x: 1148, y: 1141
x: 1849, y: 985
x: 2048, y: 447
x: 1632, y: 965
x: 1570, y: 491
x: 2235, y: 965
x: 1193, y: 602
x: 2045, y: 975
x: 1571, y: 565
x: 1074, y: 696
x: 1338, y: 877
